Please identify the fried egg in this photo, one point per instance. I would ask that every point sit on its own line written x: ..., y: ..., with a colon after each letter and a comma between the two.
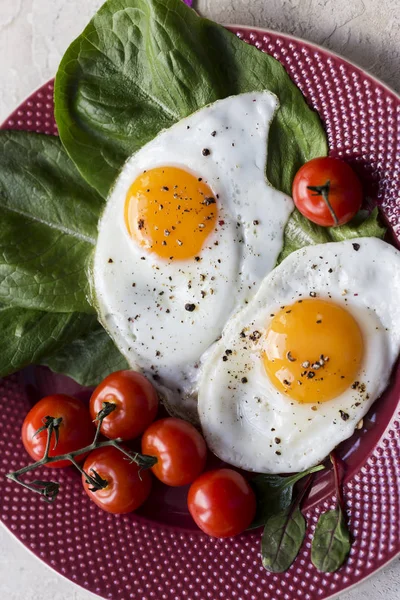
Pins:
x: 189, y: 231
x: 301, y: 364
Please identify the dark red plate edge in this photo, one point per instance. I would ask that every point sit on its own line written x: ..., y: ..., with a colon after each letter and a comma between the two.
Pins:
x: 263, y: 30
x: 37, y: 558
x: 233, y: 27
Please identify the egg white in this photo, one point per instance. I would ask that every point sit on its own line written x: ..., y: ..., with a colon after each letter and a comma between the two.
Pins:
x: 251, y: 424
x: 134, y: 288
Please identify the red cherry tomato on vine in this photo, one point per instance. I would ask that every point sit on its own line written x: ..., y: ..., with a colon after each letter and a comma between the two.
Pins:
x: 180, y: 450
x: 222, y: 503
x: 136, y: 404
x: 327, y: 191
x: 75, y: 431
x: 125, y: 489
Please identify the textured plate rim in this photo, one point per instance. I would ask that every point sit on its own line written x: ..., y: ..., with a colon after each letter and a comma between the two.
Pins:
x: 46, y: 565
x: 250, y: 28
x: 318, y: 47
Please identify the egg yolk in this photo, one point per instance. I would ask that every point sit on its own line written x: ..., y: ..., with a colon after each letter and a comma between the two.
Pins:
x: 170, y: 212
x: 313, y: 350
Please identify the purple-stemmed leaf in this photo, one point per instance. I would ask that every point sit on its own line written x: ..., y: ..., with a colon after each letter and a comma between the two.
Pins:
x: 274, y: 494
x: 282, y: 539
x: 332, y: 542
x: 284, y: 534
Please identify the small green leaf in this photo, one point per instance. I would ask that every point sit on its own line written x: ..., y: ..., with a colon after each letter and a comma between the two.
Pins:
x: 282, y: 539
x: 300, y: 232
x: 88, y: 359
x: 274, y: 494
x: 331, y: 542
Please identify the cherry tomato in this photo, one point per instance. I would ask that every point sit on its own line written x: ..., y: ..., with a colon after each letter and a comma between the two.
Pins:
x: 327, y: 191
x: 126, y: 490
x: 222, y: 503
x: 136, y: 404
x: 180, y: 450
x: 76, y: 429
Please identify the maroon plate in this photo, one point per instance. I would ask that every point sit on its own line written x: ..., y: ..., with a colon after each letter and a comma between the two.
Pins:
x: 159, y: 553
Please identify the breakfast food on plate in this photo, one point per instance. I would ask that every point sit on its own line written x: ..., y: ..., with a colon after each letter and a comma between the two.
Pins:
x: 190, y: 229
x: 279, y: 362
x: 301, y: 364
x: 139, y: 92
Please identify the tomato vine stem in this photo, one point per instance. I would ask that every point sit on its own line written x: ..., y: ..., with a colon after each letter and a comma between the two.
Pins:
x: 323, y: 190
x: 50, y: 489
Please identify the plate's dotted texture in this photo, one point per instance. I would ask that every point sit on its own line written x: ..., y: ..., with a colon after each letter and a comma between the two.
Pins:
x: 123, y: 557
x: 130, y: 558
x: 361, y: 117
x: 36, y: 113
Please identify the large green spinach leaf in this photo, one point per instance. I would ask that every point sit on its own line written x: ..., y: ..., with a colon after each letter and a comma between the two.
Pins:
x: 300, y: 232
x: 141, y: 65
x: 48, y: 225
x: 88, y: 358
x: 28, y: 335
x: 74, y: 344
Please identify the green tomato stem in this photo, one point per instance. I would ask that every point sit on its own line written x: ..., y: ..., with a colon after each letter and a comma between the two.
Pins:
x: 323, y: 190
x: 49, y: 489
